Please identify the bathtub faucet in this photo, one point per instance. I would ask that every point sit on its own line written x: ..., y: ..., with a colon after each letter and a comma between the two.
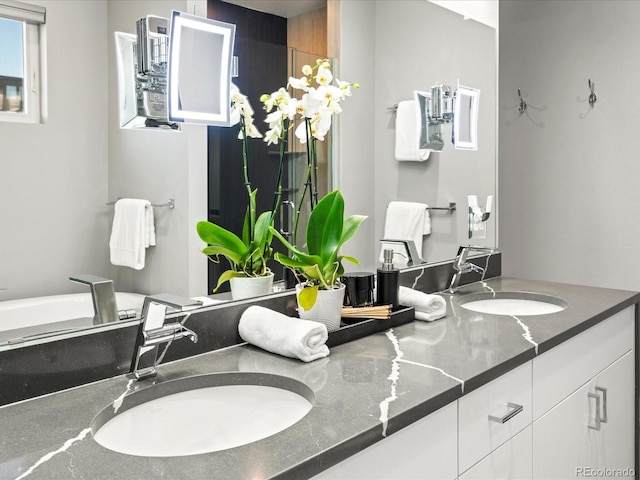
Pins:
x: 105, y: 309
x: 153, y: 331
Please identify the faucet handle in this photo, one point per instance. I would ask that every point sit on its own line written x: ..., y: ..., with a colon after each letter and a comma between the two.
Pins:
x: 154, y: 308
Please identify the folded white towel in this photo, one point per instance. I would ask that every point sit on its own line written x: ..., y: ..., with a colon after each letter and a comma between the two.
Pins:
x: 428, y: 307
x: 405, y: 221
x: 407, y: 130
x: 132, y: 232
x: 287, y: 336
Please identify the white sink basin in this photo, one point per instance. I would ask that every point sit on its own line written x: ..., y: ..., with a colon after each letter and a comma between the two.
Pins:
x: 512, y: 303
x: 201, y: 414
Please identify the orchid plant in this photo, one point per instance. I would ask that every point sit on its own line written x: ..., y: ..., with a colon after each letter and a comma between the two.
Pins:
x: 319, y: 102
x: 248, y: 255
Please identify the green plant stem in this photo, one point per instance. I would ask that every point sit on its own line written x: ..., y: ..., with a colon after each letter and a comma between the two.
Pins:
x: 277, y: 194
x: 307, y: 184
x: 247, y: 183
x: 314, y: 161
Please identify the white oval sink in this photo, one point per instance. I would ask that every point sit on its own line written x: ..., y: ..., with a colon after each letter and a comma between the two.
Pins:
x: 202, y: 414
x: 512, y: 303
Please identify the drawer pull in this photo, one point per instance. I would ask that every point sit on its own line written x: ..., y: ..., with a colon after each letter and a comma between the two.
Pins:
x: 603, y: 390
x: 597, y: 419
x: 514, y: 409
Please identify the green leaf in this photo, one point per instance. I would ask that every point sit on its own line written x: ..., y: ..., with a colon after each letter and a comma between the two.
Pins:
x: 325, y: 226
x: 307, y: 297
x: 233, y: 257
x: 221, y: 241
x: 261, y: 234
x: 350, y: 227
x: 300, y: 256
x: 351, y: 259
x: 226, y: 276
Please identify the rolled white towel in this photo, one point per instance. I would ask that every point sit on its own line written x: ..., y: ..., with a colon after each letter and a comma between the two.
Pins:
x: 287, y: 336
x: 428, y: 307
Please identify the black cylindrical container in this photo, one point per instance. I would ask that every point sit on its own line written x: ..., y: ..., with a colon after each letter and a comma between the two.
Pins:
x: 359, y: 291
x: 388, y: 282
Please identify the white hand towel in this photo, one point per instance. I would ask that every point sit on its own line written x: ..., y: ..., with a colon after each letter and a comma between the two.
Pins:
x: 407, y: 134
x: 428, y: 307
x: 132, y: 232
x: 405, y: 221
x: 287, y: 336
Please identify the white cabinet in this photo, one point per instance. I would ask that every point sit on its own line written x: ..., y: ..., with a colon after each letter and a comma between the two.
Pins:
x: 534, y: 422
x: 492, y: 414
x: 593, y: 428
x: 510, y: 460
x: 565, y: 368
x: 426, y: 449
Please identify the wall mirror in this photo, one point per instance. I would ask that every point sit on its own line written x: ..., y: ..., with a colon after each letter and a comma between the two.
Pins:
x: 465, y: 118
x: 200, y: 56
x: 82, y: 156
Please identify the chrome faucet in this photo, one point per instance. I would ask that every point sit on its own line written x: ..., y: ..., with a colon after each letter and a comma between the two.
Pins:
x: 462, y: 266
x: 105, y: 309
x: 413, y: 258
x: 153, y: 331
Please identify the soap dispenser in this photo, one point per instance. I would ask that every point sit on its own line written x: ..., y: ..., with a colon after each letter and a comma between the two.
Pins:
x: 388, y: 281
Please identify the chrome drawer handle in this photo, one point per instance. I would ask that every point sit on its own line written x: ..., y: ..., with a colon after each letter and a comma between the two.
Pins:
x: 597, y: 418
x: 603, y: 390
x: 514, y: 409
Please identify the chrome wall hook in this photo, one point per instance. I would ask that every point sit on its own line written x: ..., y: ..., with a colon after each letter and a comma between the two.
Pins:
x: 523, y: 104
x: 592, y: 96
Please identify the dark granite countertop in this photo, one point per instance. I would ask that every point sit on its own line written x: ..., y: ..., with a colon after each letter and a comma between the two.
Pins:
x: 364, y: 390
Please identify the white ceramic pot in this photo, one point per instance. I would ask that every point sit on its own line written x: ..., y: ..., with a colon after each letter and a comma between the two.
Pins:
x: 327, y: 309
x: 247, y: 287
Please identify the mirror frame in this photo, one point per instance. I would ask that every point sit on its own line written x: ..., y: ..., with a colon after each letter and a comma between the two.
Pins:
x: 219, y: 94
x: 466, y: 119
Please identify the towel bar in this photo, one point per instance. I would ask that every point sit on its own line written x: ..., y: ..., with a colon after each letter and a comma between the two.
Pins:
x: 450, y: 208
x: 171, y: 203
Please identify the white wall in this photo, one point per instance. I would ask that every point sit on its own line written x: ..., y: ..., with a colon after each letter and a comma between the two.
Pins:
x: 356, y: 145
x: 56, y: 177
x: 385, y: 47
x: 53, y: 175
x: 568, y: 173
x: 157, y: 165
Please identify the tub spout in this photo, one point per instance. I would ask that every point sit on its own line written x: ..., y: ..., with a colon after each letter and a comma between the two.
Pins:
x: 103, y: 295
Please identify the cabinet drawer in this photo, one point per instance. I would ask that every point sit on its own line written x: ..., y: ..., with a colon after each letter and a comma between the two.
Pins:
x: 510, y: 460
x: 480, y: 415
x: 565, y: 368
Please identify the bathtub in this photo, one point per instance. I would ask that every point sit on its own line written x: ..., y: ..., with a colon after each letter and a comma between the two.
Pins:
x: 32, y: 316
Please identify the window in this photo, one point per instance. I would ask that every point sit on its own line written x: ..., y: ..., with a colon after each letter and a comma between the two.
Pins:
x: 20, y: 61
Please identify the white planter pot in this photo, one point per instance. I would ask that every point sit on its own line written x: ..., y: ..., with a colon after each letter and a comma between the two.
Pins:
x: 248, y: 287
x: 327, y: 309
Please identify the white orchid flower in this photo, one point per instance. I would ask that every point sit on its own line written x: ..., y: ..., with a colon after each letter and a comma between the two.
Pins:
x: 345, y: 89
x: 307, y: 70
x: 328, y: 94
x: 322, y: 123
x: 274, y: 119
x: 299, y: 83
x: 301, y: 132
x: 234, y: 117
x: 310, y: 104
x: 324, y: 75
x: 272, y: 137
x: 252, y: 131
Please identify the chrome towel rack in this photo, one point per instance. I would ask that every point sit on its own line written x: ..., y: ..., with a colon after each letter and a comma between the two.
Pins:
x: 171, y: 203
x: 450, y: 208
